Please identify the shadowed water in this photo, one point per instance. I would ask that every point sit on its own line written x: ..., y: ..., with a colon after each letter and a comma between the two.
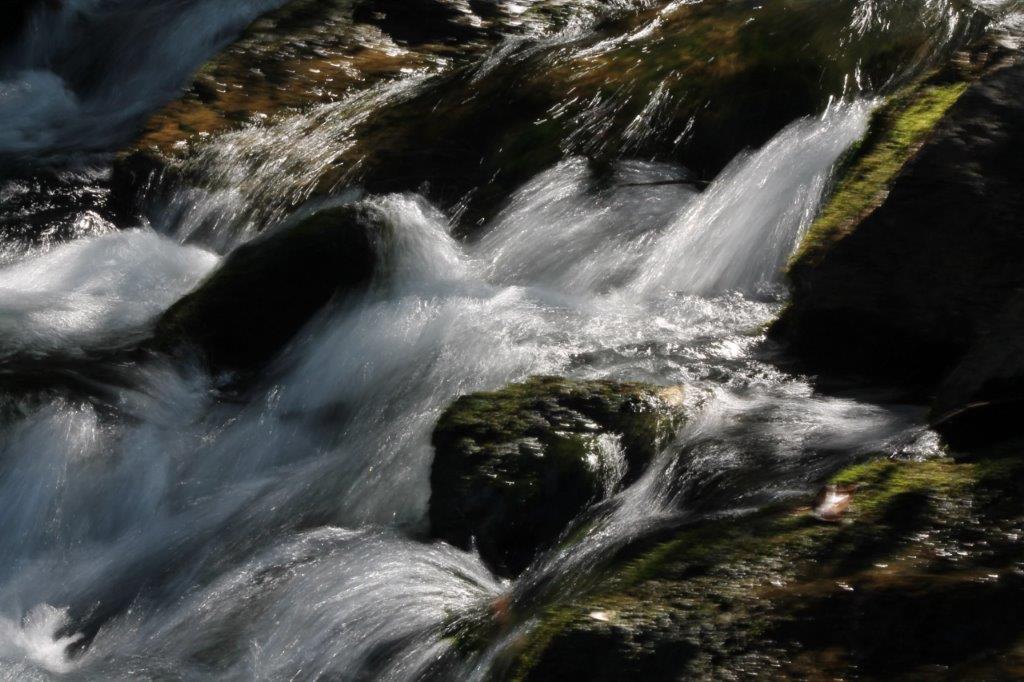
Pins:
x: 155, y: 526
x: 83, y: 72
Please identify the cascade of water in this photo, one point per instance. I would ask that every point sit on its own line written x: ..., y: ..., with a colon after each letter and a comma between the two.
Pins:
x: 281, y: 533
x: 739, y: 233
x: 340, y: 434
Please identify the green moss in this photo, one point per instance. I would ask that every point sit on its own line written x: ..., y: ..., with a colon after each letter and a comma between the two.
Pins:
x: 897, y: 131
x: 728, y: 594
x: 514, y: 467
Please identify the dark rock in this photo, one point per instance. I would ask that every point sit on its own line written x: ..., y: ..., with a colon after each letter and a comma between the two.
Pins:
x: 982, y: 399
x: 136, y: 178
x: 421, y: 21
x: 513, y: 468
x: 914, y: 279
x: 15, y: 14
x: 266, y: 290
x: 897, y: 592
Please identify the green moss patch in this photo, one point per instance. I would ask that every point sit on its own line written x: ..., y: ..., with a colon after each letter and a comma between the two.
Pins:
x: 922, y: 575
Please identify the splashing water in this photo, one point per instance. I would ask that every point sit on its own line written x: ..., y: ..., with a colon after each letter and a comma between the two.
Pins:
x: 156, y: 527
x: 178, y: 489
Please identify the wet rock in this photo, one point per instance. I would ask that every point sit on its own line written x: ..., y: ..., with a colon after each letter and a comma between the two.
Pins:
x: 692, y: 83
x: 912, y: 272
x: 136, y: 178
x: 311, y: 52
x: 422, y: 21
x: 266, y: 290
x: 514, y: 467
x: 307, y: 52
x: 923, y: 582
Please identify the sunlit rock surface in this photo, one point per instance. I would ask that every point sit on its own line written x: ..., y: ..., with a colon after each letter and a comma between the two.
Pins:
x: 312, y: 52
x: 694, y: 83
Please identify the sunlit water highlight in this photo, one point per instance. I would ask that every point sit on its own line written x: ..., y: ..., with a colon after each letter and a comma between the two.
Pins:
x: 155, y: 527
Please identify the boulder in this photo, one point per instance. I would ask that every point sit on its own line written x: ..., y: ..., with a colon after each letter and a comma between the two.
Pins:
x: 982, y: 399
x: 911, y: 273
x: 513, y: 468
x: 690, y: 83
x: 266, y: 290
x: 893, y: 592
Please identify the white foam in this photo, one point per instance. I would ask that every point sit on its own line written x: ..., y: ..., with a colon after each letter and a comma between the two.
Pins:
x: 92, y: 290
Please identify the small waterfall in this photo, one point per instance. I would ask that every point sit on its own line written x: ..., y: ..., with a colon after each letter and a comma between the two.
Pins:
x: 738, y: 234
x: 339, y: 432
x: 159, y: 525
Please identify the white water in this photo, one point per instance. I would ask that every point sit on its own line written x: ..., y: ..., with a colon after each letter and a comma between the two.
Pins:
x: 181, y: 532
x: 92, y: 290
x: 193, y: 509
x: 84, y: 71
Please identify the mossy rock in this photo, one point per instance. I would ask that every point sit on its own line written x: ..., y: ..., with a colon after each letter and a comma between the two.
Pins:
x: 913, y: 265
x: 921, y: 581
x: 266, y: 290
x: 513, y: 468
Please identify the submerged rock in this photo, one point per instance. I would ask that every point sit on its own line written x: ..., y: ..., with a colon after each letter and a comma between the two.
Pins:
x: 266, y: 290
x: 912, y: 273
x: 514, y: 467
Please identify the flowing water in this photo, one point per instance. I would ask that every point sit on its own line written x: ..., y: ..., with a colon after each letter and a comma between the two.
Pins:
x: 156, y: 526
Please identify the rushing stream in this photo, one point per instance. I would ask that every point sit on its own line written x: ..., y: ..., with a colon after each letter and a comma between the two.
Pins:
x: 156, y: 527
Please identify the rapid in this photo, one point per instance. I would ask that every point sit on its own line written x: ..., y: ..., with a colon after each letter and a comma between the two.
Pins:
x: 157, y: 524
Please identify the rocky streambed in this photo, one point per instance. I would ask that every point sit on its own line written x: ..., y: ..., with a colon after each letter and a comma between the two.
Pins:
x: 486, y: 340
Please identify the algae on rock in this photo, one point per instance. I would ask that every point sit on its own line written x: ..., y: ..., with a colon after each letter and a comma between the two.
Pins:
x: 915, y: 260
x: 514, y: 467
